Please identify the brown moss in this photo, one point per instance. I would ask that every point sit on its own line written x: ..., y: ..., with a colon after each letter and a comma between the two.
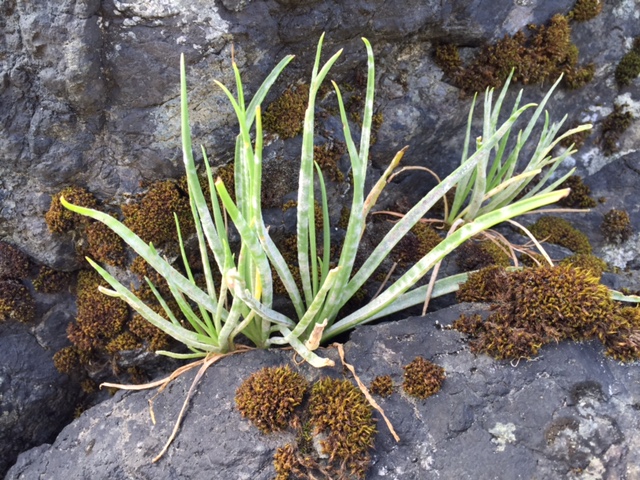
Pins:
x: 13, y: 263
x: 579, y: 197
x: 577, y: 140
x: 535, y: 58
x: 587, y: 262
x: 629, y: 67
x: 269, y: 397
x: 100, y: 318
x: 542, y: 305
x: 151, y: 217
x: 616, y: 226
x: 422, y: 378
x: 105, y: 245
x: 412, y: 247
x: 327, y: 157
x: 49, y: 280
x: 382, y: 385
x: 585, y: 10
x: 613, y: 126
x: 485, y: 285
x: 155, y: 338
x: 285, y: 116
x: 621, y: 336
x: 16, y: 303
x: 123, y: 342
x: 340, y: 411
x: 474, y: 255
x: 67, y: 360
x: 560, y: 232
x: 59, y: 219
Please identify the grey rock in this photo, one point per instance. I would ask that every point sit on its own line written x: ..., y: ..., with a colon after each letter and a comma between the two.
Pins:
x: 36, y: 401
x: 89, y: 89
x: 569, y: 413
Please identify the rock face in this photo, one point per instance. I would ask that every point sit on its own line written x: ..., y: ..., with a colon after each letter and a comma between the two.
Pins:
x: 571, y: 413
x: 89, y: 89
x: 36, y: 401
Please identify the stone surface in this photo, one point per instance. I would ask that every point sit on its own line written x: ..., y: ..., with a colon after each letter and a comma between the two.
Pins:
x: 36, y: 401
x: 89, y: 89
x: 569, y: 413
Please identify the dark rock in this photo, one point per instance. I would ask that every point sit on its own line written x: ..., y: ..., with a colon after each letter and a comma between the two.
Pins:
x: 569, y: 413
x: 36, y: 401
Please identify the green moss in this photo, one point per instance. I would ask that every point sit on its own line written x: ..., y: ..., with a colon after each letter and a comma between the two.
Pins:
x: 629, y: 67
x: 13, y: 263
x: 547, y: 304
x: 340, y: 411
x: 538, y: 57
x: 613, y: 126
x: 151, y: 217
x: 269, y: 397
x: 49, y: 280
x: 616, y: 226
x: 16, y: 302
x: 422, y: 378
x: 285, y: 116
x: 559, y: 231
x: 579, y: 197
x: 382, y: 385
x: 585, y: 10
x: 588, y: 262
x: 59, y: 219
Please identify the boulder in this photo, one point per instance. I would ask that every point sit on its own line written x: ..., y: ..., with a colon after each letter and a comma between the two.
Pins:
x: 568, y: 413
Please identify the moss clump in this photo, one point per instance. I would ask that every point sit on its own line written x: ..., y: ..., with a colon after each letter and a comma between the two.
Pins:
x: 422, y: 378
x: 629, y: 67
x: 616, y: 226
x: 613, y: 126
x: 585, y: 10
x: 587, y: 262
x: 474, y: 255
x: 151, y: 217
x: 67, y: 360
x: 412, y: 247
x: 544, y: 54
x: 285, y: 116
x: 559, y: 231
x: 50, y: 280
x: 16, y: 302
x: 59, y: 219
x: 550, y: 304
x: 105, y: 245
x: 382, y: 385
x: 579, y: 197
x: 123, y: 342
x: 154, y: 338
x: 621, y: 337
x: 100, y: 318
x: 269, y: 397
x: 340, y: 411
x: 484, y: 286
x: 13, y: 263
x: 577, y: 139
x: 327, y: 157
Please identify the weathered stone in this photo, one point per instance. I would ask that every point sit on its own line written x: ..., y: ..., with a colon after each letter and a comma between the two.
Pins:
x: 570, y: 413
